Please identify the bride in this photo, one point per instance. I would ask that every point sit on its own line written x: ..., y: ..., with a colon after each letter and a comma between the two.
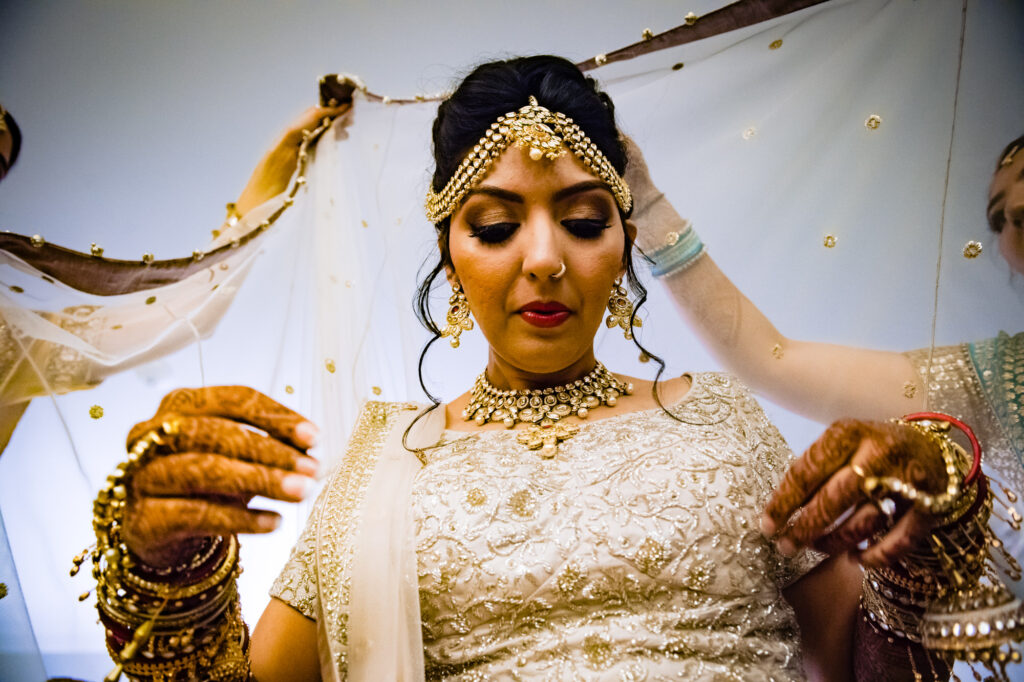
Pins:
x: 557, y: 520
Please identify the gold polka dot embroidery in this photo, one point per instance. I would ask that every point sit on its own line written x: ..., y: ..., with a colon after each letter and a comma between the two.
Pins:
x: 597, y: 649
x: 651, y: 556
x: 117, y: 326
x: 151, y: 300
x: 329, y: 364
x: 366, y: 224
x: 289, y: 389
x: 830, y: 241
x: 571, y: 579
x: 749, y: 133
x: 523, y: 504
x: 476, y: 497
x: 700, y: 574
x: 376, y: 390
x: 96, y: 411
x: 873, y: 122
x: 777, y: 351
x: 775, y: 44
x: 909, y: 389
x: 972, y: 249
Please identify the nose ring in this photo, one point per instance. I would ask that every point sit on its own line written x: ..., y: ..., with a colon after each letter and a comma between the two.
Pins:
x: 558, y: 275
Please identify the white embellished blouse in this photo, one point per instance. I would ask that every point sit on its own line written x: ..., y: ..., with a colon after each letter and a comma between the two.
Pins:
x: 634, y: 554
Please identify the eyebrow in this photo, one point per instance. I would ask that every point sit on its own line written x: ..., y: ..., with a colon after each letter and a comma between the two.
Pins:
x: 996, y: 198
x: 560, y: 195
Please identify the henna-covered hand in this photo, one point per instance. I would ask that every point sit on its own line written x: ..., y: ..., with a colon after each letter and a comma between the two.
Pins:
x: 824, y: 485
x: 199, y: 482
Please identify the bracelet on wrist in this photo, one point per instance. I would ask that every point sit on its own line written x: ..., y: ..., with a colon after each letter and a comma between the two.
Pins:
x: 180, y: 622
x: 946, y: 595
x: 681, y: 250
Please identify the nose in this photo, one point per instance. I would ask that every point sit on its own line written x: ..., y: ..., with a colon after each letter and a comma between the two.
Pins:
x: 542, y: 247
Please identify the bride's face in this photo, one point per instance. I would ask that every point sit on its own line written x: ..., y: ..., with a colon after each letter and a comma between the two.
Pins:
x: 508, y: 241
x: 1006, y: 210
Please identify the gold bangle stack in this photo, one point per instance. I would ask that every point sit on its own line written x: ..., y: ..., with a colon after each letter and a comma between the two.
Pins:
x: 165, y: 625
x: 946, y: 596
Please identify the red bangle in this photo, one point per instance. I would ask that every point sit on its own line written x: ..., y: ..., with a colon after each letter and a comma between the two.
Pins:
x: 975, y: 445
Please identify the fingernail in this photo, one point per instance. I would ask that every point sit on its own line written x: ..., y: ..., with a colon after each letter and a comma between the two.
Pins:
x: 296, y: 485
x: 269, y: 521
x: 767, y: 526
x: 307, y: 433
x: 308, y: 466
x: 786, y: 547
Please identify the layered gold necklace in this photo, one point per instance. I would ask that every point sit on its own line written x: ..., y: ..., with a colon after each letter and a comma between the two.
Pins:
x: 544, y: 408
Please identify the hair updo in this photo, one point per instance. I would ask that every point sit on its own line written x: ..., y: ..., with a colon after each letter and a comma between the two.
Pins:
x: 497, y: 88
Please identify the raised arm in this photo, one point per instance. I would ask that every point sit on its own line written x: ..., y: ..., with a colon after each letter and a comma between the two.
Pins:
x: 821, y: 381
x: 818, y: 380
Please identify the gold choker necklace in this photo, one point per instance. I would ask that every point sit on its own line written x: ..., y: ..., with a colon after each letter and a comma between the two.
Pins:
x: 544, y: 407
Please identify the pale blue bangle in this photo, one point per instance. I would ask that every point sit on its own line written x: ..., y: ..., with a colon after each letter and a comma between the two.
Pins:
x: 679, y: 255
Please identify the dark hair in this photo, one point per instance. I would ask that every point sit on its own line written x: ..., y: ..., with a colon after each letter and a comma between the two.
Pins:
x: 500, y: 87
x: 995, y: 223
x: 15, y: 132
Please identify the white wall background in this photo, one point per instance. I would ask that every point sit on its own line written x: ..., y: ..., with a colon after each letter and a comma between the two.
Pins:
x: 142, y: 118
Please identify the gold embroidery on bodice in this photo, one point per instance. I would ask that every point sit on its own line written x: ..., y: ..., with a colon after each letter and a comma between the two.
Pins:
x: 634, y: 555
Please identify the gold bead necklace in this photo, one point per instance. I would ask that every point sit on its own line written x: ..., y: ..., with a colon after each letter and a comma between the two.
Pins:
x: 544, y: 407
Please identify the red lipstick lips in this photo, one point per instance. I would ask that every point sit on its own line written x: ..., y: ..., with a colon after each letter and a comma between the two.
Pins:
x: 541, y: 314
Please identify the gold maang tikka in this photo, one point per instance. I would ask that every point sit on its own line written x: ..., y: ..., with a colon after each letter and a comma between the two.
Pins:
x: 545, y: 134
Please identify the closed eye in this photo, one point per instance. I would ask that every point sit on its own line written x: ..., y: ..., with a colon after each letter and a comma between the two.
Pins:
x: 585, y: 228
x: 494, y: 233
x: 996, y: 221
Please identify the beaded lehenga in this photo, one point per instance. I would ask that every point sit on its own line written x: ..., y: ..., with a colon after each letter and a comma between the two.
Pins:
x: 634, y: 554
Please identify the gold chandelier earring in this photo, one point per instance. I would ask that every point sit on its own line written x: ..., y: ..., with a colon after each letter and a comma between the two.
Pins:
x: 458, y: 316
x: 620, y: 310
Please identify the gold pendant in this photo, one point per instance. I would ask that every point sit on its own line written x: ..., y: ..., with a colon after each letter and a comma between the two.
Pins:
x: 546, y: 437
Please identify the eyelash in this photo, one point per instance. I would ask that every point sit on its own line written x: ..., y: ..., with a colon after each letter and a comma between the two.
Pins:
x: 997, y: 221
x: 581, y: 228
